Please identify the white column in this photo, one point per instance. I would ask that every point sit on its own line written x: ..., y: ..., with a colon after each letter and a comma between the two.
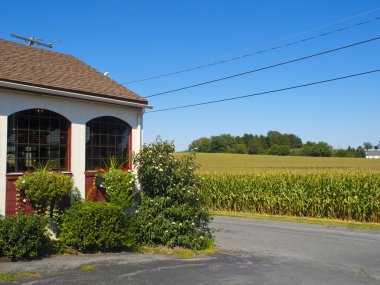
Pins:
x: 139, y: 134
x: 3, y: 161
x: 141, y: 126
x: 78, y: 156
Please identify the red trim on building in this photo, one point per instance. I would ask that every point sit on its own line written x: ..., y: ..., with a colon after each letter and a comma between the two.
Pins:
x: 92, y: 193
x: 11, y: 206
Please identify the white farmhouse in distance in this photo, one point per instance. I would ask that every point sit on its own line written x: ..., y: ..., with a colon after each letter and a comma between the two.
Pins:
x: 372, y: 154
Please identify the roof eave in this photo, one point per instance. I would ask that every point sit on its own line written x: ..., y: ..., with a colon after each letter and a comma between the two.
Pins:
x: 49, y: 91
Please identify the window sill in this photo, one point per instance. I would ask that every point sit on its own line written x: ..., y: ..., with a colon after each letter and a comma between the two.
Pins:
x: 22, y: 173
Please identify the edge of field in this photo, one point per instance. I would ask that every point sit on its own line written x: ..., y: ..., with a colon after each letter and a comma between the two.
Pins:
x: 253, y: 163
x: 307, y: 220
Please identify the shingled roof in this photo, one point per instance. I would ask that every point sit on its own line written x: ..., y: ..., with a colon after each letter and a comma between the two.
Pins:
x: 34, y: 66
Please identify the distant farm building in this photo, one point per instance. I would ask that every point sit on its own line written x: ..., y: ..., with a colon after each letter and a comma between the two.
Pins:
x: 372, y: 154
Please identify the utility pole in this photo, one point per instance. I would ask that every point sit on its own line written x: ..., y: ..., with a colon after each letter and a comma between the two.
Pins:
x: 32, y: 41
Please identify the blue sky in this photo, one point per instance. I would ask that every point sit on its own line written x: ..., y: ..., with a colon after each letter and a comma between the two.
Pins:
x: 133, y: 39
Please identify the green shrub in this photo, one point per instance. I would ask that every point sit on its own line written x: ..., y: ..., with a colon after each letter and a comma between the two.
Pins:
x: 170, y: 222
x: 96, y: 226
x: 119, y: 185
x: 44, y: 189
x: 173, y: 211
x: 23, y: 236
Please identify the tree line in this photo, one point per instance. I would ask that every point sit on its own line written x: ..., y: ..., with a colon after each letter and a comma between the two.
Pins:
x: 273, y: 143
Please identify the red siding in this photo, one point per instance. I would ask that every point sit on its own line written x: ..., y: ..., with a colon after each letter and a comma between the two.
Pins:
x: 93, y: 193
x: 10, y: 200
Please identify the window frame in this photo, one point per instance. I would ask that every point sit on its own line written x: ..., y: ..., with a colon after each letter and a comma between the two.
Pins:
x: 101, y: 144
x: 42, y: 128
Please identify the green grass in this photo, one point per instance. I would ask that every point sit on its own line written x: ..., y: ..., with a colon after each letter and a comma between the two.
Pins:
x: 324, y: 222
x: 178, y: 251
x: 7, y: 277
x: 87, y: 267
x: 238, y: 163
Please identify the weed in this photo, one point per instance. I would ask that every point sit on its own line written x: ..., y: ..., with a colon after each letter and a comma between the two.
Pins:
x: 87, y: 267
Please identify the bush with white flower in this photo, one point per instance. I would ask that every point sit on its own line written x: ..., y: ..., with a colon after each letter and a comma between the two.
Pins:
x: 119, y: 186
x: 117, y: 181
x: 173, y: 211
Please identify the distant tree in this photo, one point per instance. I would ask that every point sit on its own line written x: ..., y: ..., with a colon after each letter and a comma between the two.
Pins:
x: 276, y: 138
x: 349, y: 152
x: 255, y: 146
x: 293, y: 141
x: 222, y: 143
x: 273, y: 138
x: 263, y: 141
x: 273, y: 143
x: 247, y: 138
x: 239, y: 140
x: 367, y: 145
x: 360, y: 152
x: 376, y: 147
x: 200, y: 145
x: 279, y: 150
x: 340, y: 153
x: 296, y: 152
x: 317, y: 149
x: 239, y: 148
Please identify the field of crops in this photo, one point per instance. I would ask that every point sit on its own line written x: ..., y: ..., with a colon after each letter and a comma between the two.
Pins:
x: 238, y: 163
x: 339, y: 188
x: 348, y: 196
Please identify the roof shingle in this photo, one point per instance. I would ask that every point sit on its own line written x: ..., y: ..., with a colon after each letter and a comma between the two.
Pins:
x: 38, y: 67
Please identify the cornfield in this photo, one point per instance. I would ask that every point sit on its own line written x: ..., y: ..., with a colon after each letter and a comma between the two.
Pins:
x: 337, y: 195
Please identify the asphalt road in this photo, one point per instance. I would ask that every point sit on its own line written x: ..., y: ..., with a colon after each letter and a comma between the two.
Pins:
x: 250, y: 252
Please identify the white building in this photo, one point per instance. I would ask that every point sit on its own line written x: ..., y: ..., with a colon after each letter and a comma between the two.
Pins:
x: 58, y: 110
x: 372, y: 154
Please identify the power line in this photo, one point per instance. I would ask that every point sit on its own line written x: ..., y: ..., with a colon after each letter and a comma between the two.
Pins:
x: 266, y: 67
x: 266, y: 50
x: 267, y: 92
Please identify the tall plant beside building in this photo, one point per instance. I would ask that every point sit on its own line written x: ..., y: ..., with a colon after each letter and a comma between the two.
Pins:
x: 173, y: 210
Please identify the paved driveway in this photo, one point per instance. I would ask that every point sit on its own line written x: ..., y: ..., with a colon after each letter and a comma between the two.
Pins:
x: 251, y: 252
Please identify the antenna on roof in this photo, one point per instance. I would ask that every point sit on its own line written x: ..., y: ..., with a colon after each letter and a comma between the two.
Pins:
x: 32, y: 41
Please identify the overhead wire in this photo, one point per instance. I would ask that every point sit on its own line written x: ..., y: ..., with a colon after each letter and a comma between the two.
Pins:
x: 266, y: 67
x: 266, y: 92
x: 269, y: 49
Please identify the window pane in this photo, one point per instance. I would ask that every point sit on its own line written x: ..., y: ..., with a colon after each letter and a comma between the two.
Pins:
x: 22, y: 121
x: 37, y: 135
x: 96, y: 139
x: 106, y: 136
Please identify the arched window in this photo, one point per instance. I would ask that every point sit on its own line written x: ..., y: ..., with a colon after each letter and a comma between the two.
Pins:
x: 37, y: 136
x: 105, y: 137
